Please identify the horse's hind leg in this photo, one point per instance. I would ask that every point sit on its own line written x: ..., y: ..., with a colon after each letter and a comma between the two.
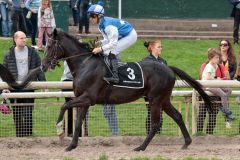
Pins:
x: 81, y: 114
x: 155, y: 126
x: 177, y: 117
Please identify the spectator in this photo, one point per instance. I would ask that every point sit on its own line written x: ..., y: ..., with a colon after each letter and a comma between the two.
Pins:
x: 46, y: 22
x: 155, y: 50
x: 236, y: 15
x: 33, y: 6
x: 238, y: 78
x: 5, y: 10
x: 83, y: 16
x: 228, y: 63
x: 67, y: 76
x: 202, y: 107
x: 109, y: 111
x: 118, y: 35
x: 228, y: 58
x: 209, y: 73
x: 19, y: 61
x: 18, y: 19
x: 75, y: 11
x: 26, y: 14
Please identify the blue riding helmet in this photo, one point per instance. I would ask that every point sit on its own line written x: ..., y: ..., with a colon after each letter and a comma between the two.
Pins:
x: 96, y: 9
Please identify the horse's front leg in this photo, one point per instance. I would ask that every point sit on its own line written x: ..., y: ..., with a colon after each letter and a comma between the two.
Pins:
x: 81, y: 114
x: 155, y: 126
x: 76, y: 102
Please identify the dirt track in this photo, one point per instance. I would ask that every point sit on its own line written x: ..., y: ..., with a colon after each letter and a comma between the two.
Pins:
x: 118, y: 148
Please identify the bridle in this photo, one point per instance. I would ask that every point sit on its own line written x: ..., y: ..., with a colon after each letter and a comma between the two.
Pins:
x: 58, y: 49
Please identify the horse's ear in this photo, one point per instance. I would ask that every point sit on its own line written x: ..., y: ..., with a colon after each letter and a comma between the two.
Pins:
x: 55, y: 31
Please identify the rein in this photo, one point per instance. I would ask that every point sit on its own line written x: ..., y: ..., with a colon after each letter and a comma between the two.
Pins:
x: 58, y: 46
x: 69, y: 57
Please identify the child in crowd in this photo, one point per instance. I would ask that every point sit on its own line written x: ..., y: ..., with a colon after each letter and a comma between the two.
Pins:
x: 209, y: 73
x: 46, y: 21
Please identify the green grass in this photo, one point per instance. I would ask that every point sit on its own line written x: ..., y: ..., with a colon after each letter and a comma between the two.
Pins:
x: 188, y: 55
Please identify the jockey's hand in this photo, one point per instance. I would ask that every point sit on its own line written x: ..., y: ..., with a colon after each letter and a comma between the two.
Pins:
x: 97, y: 50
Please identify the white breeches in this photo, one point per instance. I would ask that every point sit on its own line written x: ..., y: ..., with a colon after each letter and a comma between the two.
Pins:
x: 124, y: 43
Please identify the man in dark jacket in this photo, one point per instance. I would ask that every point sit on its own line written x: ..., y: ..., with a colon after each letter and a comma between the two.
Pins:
x: 19, y: 61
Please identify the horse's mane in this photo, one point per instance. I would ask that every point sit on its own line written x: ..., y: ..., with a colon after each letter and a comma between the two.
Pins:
x: 84, y: 45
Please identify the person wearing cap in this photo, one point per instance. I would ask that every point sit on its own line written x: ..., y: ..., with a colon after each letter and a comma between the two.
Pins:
x: 118, y: 35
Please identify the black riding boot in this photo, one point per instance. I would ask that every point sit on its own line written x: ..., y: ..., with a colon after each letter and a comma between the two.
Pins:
x: 114, y: 62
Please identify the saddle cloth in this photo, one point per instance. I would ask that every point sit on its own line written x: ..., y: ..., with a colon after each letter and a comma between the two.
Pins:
x: 130, y: 75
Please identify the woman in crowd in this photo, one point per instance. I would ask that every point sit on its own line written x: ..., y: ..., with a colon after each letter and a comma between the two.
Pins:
x: 46, y: 21
x: 155, y: 50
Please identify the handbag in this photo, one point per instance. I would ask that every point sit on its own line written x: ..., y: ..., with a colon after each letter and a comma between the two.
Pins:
x: 4, y: 108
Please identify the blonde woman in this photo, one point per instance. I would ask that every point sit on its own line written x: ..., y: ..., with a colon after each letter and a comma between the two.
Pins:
x: 46, y: 21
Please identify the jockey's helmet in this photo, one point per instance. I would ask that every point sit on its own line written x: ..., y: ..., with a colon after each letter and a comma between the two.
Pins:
x: 96, y: 9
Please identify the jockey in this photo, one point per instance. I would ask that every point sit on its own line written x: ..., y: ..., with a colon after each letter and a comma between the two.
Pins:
x: 117, y: 34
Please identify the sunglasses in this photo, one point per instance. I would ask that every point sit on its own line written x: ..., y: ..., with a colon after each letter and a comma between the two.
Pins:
x: 224, y: 44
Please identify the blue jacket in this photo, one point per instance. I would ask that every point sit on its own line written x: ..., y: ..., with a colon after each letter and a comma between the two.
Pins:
x: 124, y: 28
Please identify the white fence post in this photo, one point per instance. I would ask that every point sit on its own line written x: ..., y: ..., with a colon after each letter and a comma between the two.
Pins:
x: 194, y: 111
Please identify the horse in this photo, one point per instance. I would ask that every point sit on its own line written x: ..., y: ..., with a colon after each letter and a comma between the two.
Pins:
x: 89, y: 87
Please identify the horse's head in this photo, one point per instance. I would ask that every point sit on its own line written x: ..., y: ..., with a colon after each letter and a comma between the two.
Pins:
x: 53, y: 51
x: 60, y: 45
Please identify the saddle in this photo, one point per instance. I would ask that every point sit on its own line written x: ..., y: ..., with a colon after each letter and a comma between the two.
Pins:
x: 130, y: 74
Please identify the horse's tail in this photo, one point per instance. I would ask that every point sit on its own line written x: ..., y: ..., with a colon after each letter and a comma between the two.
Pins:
x: 193, y: 83
x: 7, y: 77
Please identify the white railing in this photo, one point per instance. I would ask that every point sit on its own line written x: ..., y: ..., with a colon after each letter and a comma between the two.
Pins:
x: 68, y: 85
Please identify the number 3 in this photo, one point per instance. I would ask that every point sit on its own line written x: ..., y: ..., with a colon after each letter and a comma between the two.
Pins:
x: 131, y: 74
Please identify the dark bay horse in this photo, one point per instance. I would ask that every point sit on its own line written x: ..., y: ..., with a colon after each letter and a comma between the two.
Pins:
x: 89, y: 87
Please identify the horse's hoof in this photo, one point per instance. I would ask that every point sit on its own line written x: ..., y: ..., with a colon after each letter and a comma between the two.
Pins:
x: 139, y: 149
x: 59, y: 127
x: 61, y: 137
x: 184, y: 146
x: 187, y: 143
x: 69, y: 148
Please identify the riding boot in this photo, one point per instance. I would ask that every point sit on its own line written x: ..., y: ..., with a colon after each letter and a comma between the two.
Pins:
x: 114, y: 63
